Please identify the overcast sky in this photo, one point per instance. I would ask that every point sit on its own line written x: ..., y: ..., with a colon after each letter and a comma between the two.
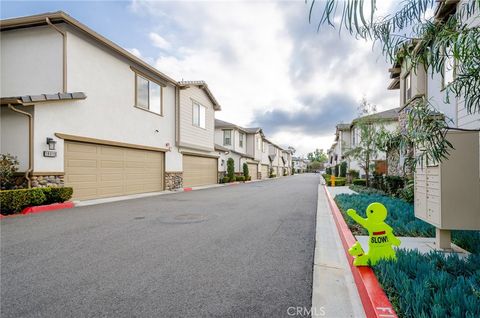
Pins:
x: 263, y: 61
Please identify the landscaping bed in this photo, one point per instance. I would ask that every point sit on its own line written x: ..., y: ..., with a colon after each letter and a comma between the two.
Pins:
x: 422, y: 285
x: 15, y: 201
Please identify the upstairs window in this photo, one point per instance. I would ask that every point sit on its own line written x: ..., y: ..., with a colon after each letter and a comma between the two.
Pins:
x: 240, y: 140
x: 148, y: 95
x: 227, y: 137
x: 199, y: 115
x: 448, y: 71
x: 408, y: 87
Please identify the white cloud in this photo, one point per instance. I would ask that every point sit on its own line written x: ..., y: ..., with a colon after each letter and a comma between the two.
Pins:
x: 259, y: 56
x: 159, y: 41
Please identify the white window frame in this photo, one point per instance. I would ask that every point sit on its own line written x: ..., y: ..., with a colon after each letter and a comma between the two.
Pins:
x: 408, y: 87
x: 199, y: 115
x: 241, y: 139
x: 449, y: 68
x: 225, y: 139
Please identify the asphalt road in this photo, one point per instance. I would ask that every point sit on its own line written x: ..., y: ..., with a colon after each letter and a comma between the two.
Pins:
x: 239, y: 251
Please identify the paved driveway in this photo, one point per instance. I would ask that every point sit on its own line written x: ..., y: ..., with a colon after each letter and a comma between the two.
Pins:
x: 238, y: 251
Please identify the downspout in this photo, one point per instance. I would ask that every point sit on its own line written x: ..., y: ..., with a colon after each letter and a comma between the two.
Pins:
x: 30, y: 143
x: 64, y: 36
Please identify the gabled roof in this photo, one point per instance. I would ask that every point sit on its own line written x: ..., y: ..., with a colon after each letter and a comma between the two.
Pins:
x: 222, y: 148
x: 390, y: 114
x: 62, y: 17
x: 202, y: 85
x: 225, y: 124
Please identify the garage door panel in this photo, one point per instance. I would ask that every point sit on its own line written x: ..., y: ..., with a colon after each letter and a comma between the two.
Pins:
x: 252, y: 170
x: 199, y: 171
x: 96, y: 171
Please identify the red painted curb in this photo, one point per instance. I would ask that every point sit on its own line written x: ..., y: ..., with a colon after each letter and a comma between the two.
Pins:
x: 374, y: 300
x: 41, y: 209
x: 187, y: 189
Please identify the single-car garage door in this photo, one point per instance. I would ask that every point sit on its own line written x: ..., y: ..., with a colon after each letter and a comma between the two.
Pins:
x: 199, y: 171
x: 96, y: 171
x: 265, y: 173
x: 252, y: 170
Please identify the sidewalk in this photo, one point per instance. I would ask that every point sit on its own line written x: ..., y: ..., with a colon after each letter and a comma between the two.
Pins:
x: 334, y: 291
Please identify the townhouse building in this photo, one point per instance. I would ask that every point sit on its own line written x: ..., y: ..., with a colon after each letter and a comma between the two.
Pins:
x: 439, y: 199
x: 80, y: 111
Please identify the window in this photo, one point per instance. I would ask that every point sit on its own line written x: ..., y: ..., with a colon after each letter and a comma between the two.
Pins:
x: 263, y: 146
x: 240, y: 140
x: 198, y: 115
x: 227, y: 137
x: 148, y: 95
x: 408, y: 87
x: 259, y: 146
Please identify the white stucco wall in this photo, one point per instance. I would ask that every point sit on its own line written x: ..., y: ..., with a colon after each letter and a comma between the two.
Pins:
x: 14, y: 134
x: 31, y: 62
x: 108, y: 112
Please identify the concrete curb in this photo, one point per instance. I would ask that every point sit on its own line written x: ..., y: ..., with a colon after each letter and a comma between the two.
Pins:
x: 41, y: 209
x: 374, y: 299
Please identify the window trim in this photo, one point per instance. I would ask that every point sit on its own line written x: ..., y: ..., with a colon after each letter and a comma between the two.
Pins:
x: 229, y: 130
x: 241, y: 138
x: 149, y: 79
x: 194, y: 102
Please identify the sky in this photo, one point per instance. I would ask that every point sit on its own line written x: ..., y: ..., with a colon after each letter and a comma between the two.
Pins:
x: 265, y: 63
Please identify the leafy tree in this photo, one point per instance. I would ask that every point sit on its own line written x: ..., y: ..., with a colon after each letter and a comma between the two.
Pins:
x: 425, y: 41
x: 231, y: 169
x: 318, y: 155
x: 8, y: 167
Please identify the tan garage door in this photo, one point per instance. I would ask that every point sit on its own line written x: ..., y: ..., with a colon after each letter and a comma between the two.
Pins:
x: 252, y: 170
x: 265, y: 171
x: 199, y: 171
x: 96, y: 171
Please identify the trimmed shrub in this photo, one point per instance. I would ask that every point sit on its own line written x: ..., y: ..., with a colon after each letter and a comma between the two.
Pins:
x: 361, y: 182
x: 340, y: 182
x: 232, y: 179
x: 231, y: 169
x: 246, y: 173
x: 337, y: 170
x: 343, y: 169
x: 293, y: 171
x: 14, y: 201
x: 240, y: 178
x: 328, y: 170
x: 225, y: 179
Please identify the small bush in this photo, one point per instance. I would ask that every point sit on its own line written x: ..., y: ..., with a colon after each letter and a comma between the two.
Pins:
x: 232, y: 179
x: 246, y: 173
x: 225, y: 179
x: 231, y: 169
x: 337, y: 171
x: 343, y: 169
x: 354, y: 174
x: 328, y: 171
x: 408, y: 192
x: 361, y: 182
x: 8, y: 167
x: 293, y: 171
x: 240, y: 178
x: 340, y: 183
x: 14, y: 201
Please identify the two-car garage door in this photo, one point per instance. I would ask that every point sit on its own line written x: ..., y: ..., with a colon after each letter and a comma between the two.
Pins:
x: 96, y: 171
x: 198, y: 171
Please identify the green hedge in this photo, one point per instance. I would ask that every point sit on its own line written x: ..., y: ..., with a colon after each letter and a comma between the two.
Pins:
x: 14, y: 201
x: 366, y: 190
x: 431, y: 285
x: 240, y: 178
x: 361, y: 182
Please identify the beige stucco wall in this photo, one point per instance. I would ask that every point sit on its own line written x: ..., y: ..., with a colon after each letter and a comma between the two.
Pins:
x: 107, y: 113
x: 31, y: 62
